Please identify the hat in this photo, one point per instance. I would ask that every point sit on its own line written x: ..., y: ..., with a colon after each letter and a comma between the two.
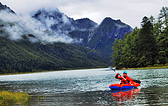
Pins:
x: 124, y: 72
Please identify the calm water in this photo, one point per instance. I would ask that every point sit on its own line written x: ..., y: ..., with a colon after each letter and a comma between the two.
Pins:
x: 89, y: 88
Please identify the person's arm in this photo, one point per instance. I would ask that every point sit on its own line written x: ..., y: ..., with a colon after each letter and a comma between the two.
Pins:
x: 118, y: 76
x: 124, y: 81
x: 130, y: 80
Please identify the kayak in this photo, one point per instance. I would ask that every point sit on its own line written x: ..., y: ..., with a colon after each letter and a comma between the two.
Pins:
x: 118, y: 86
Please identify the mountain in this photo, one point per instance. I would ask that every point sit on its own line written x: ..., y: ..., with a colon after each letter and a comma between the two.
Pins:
x: 86, y: 32
x: 54, y: 19
x: 105, y: 34
x: 27, y: 54
x: 4, y: 7
x: 84, y: 24
x: 29, y: 46
x: 84, y: 27
x: 61, y: 23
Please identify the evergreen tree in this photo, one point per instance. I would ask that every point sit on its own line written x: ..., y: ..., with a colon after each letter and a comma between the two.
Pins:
x: 128, y: 59
x: 116, y: 56
x: 145, y: 46
x: 157, y: 28
x: 163, y: 14
x: 162, y: 41
x: 147, y: 43
x: 161, y: 30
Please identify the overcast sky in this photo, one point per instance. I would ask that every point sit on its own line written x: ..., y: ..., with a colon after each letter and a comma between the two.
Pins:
x: 130, y: 12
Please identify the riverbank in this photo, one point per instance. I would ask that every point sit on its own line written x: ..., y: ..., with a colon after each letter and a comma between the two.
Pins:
x: 141, y: 68
x: 157, y: 67
x: 44, y: 71
x: 14, y: 98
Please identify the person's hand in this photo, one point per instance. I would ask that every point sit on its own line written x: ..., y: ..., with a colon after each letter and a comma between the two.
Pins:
x: 117, y: 74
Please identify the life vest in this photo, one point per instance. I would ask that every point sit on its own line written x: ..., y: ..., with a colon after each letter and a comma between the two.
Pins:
x: 124, y: 80
x: 128, y: 80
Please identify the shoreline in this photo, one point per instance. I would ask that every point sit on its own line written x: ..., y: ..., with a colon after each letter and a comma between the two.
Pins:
x: 49, y: 71
x: 142, y: 68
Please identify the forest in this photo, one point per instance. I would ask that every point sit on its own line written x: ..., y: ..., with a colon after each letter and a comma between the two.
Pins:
x: 145, y: 46
x: 25, y: 56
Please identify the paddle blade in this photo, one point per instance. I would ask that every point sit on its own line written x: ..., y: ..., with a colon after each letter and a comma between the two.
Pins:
x: 112, y: 68
x: 137, y: 81
x: 136, y: 85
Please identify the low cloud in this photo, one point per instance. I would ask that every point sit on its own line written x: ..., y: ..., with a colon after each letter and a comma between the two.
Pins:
x: 129, y: 11
x: 17, y: 26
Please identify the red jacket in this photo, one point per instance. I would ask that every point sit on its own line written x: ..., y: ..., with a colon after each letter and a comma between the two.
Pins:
x: 124, y: 80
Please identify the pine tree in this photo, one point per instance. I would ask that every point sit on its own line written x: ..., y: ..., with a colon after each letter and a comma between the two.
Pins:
x: 147, y: 43
x: 116, y: 56
x: 162, y: 41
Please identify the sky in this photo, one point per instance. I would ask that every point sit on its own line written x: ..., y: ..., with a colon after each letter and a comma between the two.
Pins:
x: 130, y: 12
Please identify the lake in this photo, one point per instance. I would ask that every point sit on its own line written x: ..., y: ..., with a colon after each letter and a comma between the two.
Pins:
x: 89, y: 87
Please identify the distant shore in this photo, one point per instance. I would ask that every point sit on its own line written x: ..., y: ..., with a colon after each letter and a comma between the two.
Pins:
x: 158, y: 67
x: 49, y: 71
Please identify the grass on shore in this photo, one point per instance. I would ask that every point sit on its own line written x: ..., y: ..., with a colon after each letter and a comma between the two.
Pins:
x: 13, y: 98
x: 149, y: 67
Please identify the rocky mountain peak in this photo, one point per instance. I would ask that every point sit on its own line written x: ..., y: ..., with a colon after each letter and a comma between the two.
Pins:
x: 48, y: 13
x: 85, y: 23
x: 4, y: 7
x: 109, y: 21
x: 90, y: 34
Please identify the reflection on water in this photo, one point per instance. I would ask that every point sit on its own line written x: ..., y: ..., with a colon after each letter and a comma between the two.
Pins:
x: 125, y: 95
x: 89, y: 87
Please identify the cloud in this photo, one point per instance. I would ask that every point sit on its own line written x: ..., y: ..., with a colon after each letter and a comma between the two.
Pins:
x: 17, y: 26
x: 65, y: 19
x: 129, y: 11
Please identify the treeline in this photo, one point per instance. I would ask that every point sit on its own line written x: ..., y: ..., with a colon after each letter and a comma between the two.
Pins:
x: 25, y: 56
x: 146, y: 46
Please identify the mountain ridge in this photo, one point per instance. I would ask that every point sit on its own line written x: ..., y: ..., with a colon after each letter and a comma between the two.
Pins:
x: 24, y: 55
x: 92, y: 42
x: 4, y: 7
x: 97, y: 37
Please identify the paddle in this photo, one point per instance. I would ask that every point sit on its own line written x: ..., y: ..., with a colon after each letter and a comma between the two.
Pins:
x: 137, y: 81
x: 113, y: 68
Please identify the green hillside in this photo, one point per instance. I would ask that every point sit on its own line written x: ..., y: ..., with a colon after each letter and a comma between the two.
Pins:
x: 19, y: 54
x: 24, y: 56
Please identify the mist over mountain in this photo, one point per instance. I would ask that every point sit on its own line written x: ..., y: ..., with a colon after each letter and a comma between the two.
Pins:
x: 57, y: 21
x: 27, y: 45
x: 86, y: 32
x: 47, y: 28
x: 16, y: 26
x: 61, y: 24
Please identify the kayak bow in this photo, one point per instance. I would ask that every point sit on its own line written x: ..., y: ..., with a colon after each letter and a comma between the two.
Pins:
x: 118, y: 86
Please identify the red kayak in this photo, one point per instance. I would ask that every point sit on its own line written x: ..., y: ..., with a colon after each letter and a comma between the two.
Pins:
x: 118, y: 86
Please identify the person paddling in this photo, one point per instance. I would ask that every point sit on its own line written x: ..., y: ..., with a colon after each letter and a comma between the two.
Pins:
x: 125, y: 79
